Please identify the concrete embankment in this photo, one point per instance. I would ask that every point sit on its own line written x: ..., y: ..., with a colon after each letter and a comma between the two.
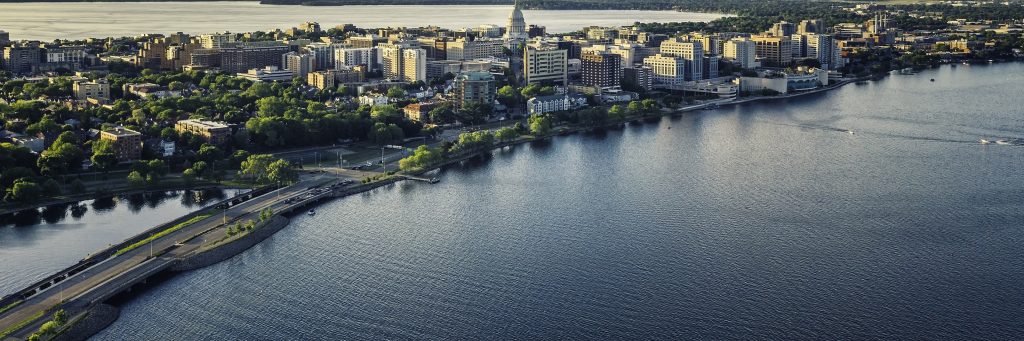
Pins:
x: 96, y: 319
x: 230, y: 248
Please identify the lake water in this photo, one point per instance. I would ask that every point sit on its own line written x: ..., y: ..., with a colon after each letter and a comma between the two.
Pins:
x: 48, y: 21
x: 38, y: 243
x: 761, y: 221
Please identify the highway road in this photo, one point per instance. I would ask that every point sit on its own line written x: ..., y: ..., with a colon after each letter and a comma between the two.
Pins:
x: 109, y: 276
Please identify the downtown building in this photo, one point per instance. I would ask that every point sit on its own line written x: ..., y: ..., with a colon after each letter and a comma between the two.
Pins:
x: 351, y: 57
x: 474, y: 87
x: 245, y: 57
x: 602, y: 70
x: 466, y: 49
x: 667, y: 71
x: 741, y: 51
x: 692, y: 54
x: 300, y: 64
x: 546, y: 65
x: 775, y: 51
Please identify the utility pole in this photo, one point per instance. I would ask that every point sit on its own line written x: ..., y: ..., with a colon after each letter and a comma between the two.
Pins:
x: 150, y: 245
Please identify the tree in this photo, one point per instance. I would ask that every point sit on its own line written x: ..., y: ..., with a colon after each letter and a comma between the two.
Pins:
x: 540, y: 125
x: 23, y: 191
x: 396, y: 92
x: 506, y: 134
x: 422, y: 157
x: 103, y: 157
x: 508, y: 96
x: 136, y: 179
x: 209, y: 153
x: 442, y: 113
x: 384, y: 112
x: 382, y: 133
x: 281, y: 171
x: 616, y: 113
x: 475, y: 112
x: 60, y: 317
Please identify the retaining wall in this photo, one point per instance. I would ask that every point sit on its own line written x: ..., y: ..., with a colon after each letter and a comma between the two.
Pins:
x: 231, y: 248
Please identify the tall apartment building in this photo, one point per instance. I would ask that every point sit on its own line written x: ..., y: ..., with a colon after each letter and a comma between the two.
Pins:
x: 465, y: 49
x: 344, y: 58
x: 474, y: 87
x: 710, y: 66
x: 212, y: 132
x: 391, y: 60
x: 810, y: 26
x: 323, y: 54
x: 774, y: 51
x: 782, y: 29
x: 300, y: 64
x: 321, y: 79
x: 22, y: 58
x: 741, y: 50
x: 691, y: 51
x: 217, y: 40
x: 243, y: 58
x: 640, y: 76
x: 603, y: 70
x: 367, y: 41
x: 414, y: 65
x: 824, y: 48
x: 546, y: 64
x: 98, y: 90
x: 127, y: 143
x: 5, y: 37
x: 667, y: 71
x: 74, y: 55
x: 627, y: 52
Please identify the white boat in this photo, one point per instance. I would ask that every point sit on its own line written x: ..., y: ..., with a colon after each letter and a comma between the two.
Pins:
x: 849, y: 132
x: 1002, y: 142
x: 984, y: 141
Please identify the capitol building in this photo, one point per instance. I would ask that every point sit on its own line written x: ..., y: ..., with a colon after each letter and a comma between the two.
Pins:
x: 515, y: 31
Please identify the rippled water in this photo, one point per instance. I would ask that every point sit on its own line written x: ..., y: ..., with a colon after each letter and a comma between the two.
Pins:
x: 38, y: 243
x: 48, y: 21
x: 763, y: 221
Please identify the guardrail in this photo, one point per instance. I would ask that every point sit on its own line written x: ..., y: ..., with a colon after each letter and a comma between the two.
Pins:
x: 105, y: 254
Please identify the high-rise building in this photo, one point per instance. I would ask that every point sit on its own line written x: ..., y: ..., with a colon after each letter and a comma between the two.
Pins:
x: 691, y: 51
x: 782, y: 29
x: 710, y: 66
x: 367, y: 41
x: 515, y: 31
x: 323, y: 55
x: 344, y: 58
x: 743, y: 51
x: 474, y: 87
x: 243, y: 58
x: 774, y: 50
x: 217, y: 40
x: 627, y: 52
x: 300, y: 64
x: 546, y: 64
x: 639, y: 76
x: 603, y: 70
x: 414, y: 65
x: 810, y: 26
x: 823, y: 47
x: 465, y: 49
x: 5, y: 37
x: 22, y: 58
x: 668, y: 71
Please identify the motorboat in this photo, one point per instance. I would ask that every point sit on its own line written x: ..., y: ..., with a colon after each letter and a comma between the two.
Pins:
x: 849, y: 132
x: 1003, y: 142
x: 984, y: 141
x: 312, y: 212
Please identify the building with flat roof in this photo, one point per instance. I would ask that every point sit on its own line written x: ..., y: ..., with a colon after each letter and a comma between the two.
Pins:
x: 474, y: 87
x: 98, y: 90
x: 321, y: 79
x: 603, y: 70
x: 127, y: 143
x: 267, y: 74
x: 546, y: 64
x: 246, y: 57
x: 774, y: 51
x: 212, y: 132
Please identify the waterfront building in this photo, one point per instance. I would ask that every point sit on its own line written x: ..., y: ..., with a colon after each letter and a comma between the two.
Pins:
x: 217, y: 40
x: 742, y: 51
x: 515, y: 30
x: 690, y: 51
x: 668, y: 71
x: 300, y: 64
x: 639, y: 76
x: 774, y: 50
x: 267, y: 74
x: 245, y: 57
x: 710, y: 66
x: 98, y: 90
x: 823, y: 47
x: 546, y: 64
x: 212, y: 132
x: 544, y: 104
x: 603, y: 70
x: 127, y: 143
x: 474, y: 87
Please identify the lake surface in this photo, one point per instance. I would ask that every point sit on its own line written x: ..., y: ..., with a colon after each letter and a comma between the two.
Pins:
x: 77, y: 20
x: 761, y: 221
x: 38, y: 243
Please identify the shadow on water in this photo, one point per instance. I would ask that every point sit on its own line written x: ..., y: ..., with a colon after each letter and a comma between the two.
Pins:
x: 135, y: 203
x: 104, y: 204
x: 55, y: 213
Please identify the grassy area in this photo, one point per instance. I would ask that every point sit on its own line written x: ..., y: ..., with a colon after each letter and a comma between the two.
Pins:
x: 9, y: 306
x: 22, y: 324
x: 163, y: 233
